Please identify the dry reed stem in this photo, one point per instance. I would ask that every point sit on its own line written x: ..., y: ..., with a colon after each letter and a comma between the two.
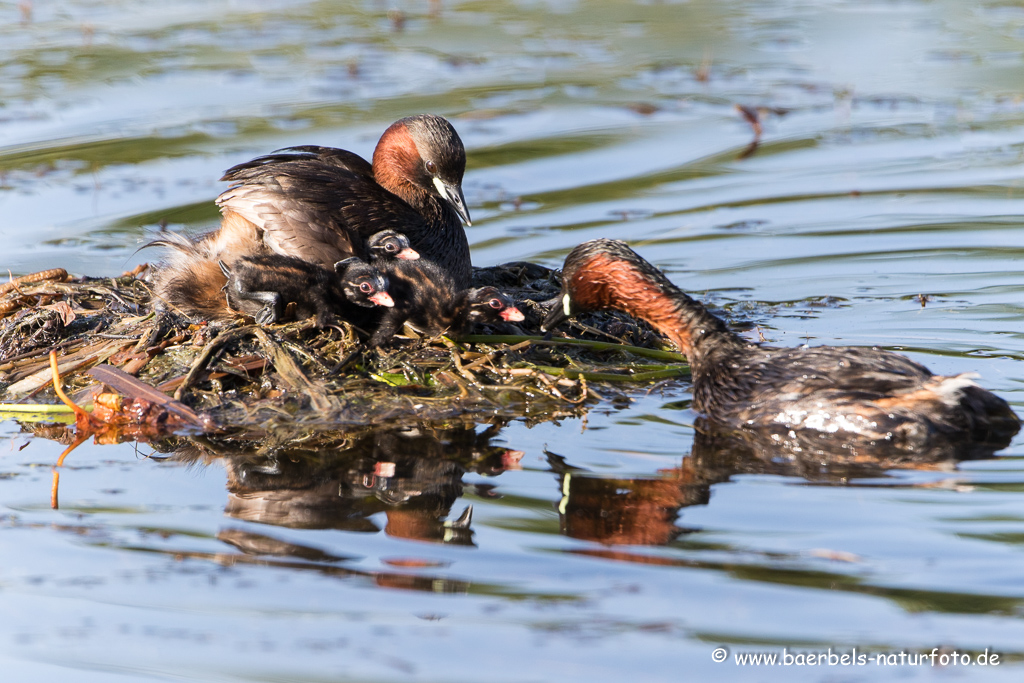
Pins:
x: 58, y: 274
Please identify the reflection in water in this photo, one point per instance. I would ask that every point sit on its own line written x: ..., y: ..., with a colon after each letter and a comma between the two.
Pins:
x: 897, y: 173
x: 335, y: 480
x: 414, y: 475
x: 626, y: 511
x: 643, y: 510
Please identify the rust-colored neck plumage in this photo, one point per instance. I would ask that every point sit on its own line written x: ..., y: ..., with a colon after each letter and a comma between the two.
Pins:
x: 396, y: 161
x: 399, y: 166
x: 606, y: 279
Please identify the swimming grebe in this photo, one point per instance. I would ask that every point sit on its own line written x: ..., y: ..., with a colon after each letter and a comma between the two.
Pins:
x: 262, y: 286
x: 862, y: 395
x: 320, y: 204
x: 192, y: 280
x: 427, y: 298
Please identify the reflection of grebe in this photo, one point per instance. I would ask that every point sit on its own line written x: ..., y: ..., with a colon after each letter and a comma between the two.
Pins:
x: 645, y: 510
x: 320, y: 203
x: 341, y: 480
x: 626, y: 511
x: 864, y: 395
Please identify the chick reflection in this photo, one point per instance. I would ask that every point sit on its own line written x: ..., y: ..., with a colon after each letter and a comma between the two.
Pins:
x: 644, y: 510
x: 413, y: 474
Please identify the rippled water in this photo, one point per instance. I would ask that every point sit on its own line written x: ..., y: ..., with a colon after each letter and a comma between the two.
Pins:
x: 889, y: 167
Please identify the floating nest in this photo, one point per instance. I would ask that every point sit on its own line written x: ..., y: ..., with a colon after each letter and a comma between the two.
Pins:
x: 240, y: 375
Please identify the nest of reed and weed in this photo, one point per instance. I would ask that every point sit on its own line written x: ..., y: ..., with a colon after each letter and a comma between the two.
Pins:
x: 240, y: 375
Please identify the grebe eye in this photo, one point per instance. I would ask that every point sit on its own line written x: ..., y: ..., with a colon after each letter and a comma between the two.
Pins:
x: 495, y: 303
x: 431, y: 167
x: 366, y: 287
x: 391, y: 246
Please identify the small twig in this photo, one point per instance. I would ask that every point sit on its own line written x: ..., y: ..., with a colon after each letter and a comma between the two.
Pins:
x: 9, y: 363
x: 611, y: 377
x: 290, y: 371
x: 591, y: 345
x: 593, y: 330
x: 14, y: 284
x: 487, y: 357
x: 343, y: 363
x: 207, y: 353
x: 453, y: 350
x: 136, y: 271
x: 310, y: 357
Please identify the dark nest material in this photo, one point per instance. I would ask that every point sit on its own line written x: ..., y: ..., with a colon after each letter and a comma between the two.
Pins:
x: 240, y: 375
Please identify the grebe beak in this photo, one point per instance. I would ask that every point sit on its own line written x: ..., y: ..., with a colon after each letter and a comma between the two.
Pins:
x: 512, y: 315
x: 558, y: 314
x: 382, y: 299
x: 453, y: 193
x: 408, y: 254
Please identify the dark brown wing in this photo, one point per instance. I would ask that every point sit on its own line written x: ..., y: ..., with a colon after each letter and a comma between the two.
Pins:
x: 342, y: 158
x: 316, y: 203
x: 851, y: 368
x: 878, y: 395
x: 761, y: 382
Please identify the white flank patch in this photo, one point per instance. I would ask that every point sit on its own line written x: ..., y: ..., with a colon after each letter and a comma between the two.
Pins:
x: 565, y: 304
x: 950, y: 387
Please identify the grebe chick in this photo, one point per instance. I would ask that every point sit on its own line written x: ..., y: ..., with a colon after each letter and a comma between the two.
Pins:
x: 192, y: 279
x: 388, y: 244
x: 262, y: 286
x: 863, y: 395
x: 320, y: 204
x: 427, y: 299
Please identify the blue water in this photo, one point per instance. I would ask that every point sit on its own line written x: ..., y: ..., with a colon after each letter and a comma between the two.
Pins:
x: 889, y: 167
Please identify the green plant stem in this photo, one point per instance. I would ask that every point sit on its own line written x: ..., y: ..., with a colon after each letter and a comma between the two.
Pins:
x: 592, y: 345
x: 613, y: 377
x: 34, y: 408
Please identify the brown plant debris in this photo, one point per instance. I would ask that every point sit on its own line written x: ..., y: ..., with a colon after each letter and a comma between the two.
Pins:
x: 239, y: 375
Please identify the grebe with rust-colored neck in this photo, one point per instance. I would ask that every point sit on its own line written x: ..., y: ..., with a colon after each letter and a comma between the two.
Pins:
x: 865, y: 396
x: 321, y: 204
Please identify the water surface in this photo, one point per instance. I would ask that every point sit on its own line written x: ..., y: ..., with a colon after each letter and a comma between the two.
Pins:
x: 889, y: 167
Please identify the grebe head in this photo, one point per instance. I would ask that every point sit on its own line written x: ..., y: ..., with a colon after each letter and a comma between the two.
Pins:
x: 362, y: 283
x: 423, y: 151
x: 488, y: 304
x: 389, y: 244
x: 599, y: 274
